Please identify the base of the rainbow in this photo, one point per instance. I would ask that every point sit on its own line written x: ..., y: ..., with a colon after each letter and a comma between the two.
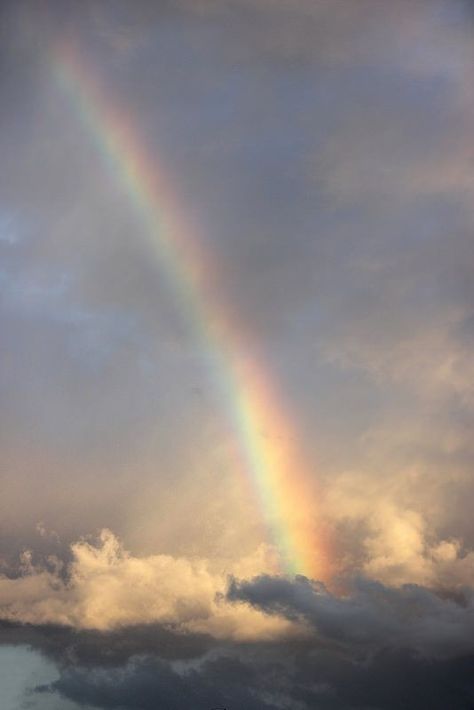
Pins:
x: 313, y: 563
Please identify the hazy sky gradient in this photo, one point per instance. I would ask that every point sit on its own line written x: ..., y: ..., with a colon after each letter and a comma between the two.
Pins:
x: 321, y: 151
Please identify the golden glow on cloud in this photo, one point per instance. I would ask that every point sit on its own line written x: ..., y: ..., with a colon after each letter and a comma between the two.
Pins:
x: 108, y: 587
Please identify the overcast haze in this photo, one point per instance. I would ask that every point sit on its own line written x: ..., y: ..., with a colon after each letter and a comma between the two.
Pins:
x: 319, y: 154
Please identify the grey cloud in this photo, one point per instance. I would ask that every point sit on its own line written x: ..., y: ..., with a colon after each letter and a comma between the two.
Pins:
x: 371, y: 617
x: 94, y: 649
x: 146, y: 684
x: 278, y: 677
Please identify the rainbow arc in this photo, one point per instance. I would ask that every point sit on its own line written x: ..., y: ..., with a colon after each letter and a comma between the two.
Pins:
x: 278, y: 476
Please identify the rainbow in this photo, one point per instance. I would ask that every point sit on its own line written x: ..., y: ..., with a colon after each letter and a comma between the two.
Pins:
x: 264, y: 435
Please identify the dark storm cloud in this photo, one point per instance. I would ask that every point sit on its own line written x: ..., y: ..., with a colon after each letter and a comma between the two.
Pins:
x: 147, y: 684
x: 90, y: 649
x: 262, y: 676
x: 372, y: 617
x: 305, y: 680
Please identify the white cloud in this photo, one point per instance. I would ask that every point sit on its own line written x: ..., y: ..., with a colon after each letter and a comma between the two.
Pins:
x: 108, y: 587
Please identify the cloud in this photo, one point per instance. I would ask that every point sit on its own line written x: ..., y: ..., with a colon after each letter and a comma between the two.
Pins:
x: 90, y: 648
x: 147, y: 683
x: 137, y: 632
x: 374, y: 646
x: 107, y: 587
x: 276, y: 678
x: 104, y: 587
x: 372, y: 617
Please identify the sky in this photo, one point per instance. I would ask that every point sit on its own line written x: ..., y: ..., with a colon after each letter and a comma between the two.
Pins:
x: 236, y: 381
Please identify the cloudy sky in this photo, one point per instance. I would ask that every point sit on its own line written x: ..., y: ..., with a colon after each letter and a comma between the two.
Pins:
x: 236, y: 380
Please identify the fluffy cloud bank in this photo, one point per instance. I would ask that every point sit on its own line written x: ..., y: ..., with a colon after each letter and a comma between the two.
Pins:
x: 106, y: 587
